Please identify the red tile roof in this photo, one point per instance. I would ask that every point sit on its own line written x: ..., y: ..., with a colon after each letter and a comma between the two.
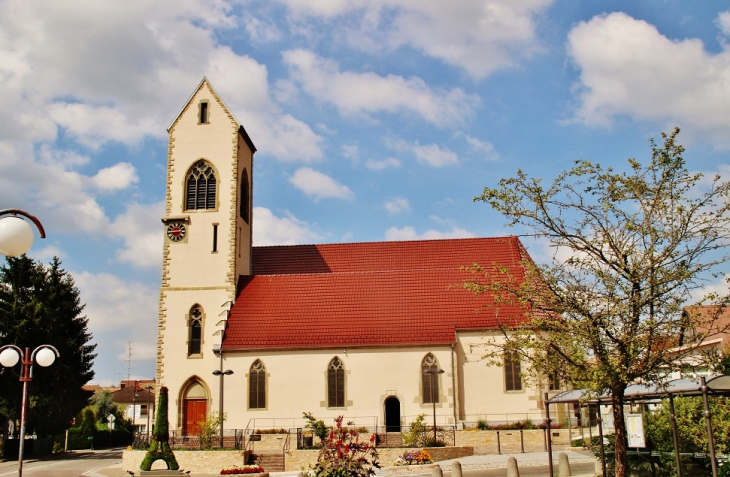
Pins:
x: 367, y: 294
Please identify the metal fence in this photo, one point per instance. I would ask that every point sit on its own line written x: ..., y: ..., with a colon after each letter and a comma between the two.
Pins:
x: 232, y: 439
x: 404, y: 436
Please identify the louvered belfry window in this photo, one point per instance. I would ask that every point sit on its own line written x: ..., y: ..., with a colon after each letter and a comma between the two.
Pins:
x: 336, y: 383
x: 200, y: 187
x: 257, y: 386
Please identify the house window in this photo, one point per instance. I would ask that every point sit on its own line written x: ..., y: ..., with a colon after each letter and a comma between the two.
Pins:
x: 257, y: 386
x: 245, y: 197
x: 554, y: 381
x: 200, y: 187
x: 196, y: 331
x: 203, y: 113
x: 336, y: 383
x: 512, y: 378
x: 430, y: 382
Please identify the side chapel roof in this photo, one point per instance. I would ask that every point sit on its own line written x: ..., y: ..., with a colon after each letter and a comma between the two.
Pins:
x: 368, y: 294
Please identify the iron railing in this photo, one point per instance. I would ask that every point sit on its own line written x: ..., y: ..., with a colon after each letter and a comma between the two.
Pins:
x: 393, y: 436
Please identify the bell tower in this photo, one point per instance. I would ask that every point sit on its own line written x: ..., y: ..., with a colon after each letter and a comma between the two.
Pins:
x: 207, y: 235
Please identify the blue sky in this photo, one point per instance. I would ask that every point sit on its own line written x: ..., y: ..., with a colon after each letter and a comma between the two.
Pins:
x: 374, y: 119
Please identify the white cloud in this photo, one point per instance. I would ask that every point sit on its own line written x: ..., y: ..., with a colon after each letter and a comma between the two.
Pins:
x: 397, y: 205
x: 117, y: 177
x: 486, y: 149
x: 120, y: 311
x: 287, y: 230
x: 358, y: 93
x: 94, y: 70
x: 435, y: 155
x: 477, y: 36
x: 113, y: 303
x: 627, y: 67
x: 431, y: 154
x: 140, y: 228
x: 261, y: 31
x: 723, y: 21
x: 318, y: 185
x: 409, y: 233
x: 379, y: 165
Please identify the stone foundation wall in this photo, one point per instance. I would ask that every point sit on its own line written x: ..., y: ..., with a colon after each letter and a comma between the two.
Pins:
x: 211, y: 462
x: 510, y: 442
x: 301, y: 460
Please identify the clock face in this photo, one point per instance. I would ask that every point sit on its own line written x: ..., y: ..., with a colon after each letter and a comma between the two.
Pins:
x: 176, y: 231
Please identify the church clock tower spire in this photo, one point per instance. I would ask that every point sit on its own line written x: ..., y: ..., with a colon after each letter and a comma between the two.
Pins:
x: 207, y: 231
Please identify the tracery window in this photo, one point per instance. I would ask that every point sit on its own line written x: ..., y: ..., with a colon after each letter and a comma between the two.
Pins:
x: 429, y: 381
x: 200, y: 186
x: 195, y: 336
x: 257, y: 386
x: 336, y: 383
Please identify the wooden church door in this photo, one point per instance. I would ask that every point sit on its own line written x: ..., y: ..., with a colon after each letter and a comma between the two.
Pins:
x: 195, y: 416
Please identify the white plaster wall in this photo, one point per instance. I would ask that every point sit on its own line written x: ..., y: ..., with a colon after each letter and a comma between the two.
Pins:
x: 482, y: 387
x: 296, y: 382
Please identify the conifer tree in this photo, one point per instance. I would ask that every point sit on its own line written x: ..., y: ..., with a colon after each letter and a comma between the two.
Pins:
x: 41, y: 305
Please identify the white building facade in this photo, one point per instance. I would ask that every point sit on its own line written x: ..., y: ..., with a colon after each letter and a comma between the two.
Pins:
x: 337, y: 329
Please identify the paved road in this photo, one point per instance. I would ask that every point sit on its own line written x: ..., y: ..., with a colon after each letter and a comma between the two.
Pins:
x: 102, y: 463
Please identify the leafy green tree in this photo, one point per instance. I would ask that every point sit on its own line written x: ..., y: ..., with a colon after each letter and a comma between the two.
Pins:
x: 691, y: 427
x: 41, y: 305
x: 630, y: 247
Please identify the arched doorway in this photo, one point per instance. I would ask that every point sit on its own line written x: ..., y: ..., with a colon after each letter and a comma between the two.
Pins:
x: 195, y: 409
x: 392, y: 414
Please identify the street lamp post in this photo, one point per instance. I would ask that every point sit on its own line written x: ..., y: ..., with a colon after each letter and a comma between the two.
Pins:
x: 44, y: 355
x: 16, y: 235
x: 433, y: 372
x: 217, y: 372
x: 134, y: 409
x: 148, y: 388
x: 16, y: 238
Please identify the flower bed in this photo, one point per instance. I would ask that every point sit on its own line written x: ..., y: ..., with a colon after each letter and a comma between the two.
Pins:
x: 245, y: 469
x: 416, y: 457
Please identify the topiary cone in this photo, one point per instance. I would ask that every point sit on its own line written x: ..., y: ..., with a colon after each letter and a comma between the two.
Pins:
x: 160, y: 447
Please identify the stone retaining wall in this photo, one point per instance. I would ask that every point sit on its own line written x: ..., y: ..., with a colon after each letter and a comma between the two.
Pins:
x: 301, y: 460
x: 211, y: 462
x: 533, y: 440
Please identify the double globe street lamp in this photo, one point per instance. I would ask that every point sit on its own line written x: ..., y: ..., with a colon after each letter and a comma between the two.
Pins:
x: 16, y: 238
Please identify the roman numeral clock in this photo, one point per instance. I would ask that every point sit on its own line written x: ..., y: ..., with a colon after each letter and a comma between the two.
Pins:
x: 176, y: 229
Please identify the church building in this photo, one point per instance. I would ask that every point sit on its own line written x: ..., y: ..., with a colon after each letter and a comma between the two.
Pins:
x: 377, y: 332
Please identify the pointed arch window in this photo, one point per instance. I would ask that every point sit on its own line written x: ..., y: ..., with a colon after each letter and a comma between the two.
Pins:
x: 195, y: 331
x: 430, y: 380
x: 512, y: 372
x: 200, y: 187
x: 257, y: 386
x: 336, y: 383
x: 245, y: 197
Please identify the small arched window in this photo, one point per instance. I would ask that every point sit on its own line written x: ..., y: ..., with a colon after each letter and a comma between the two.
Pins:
x: 430, y: 379
x: 257, y: 386
x: 336, y: 383
x: 195, y: 331
x: 200, y: 187
x: 245, y: 197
